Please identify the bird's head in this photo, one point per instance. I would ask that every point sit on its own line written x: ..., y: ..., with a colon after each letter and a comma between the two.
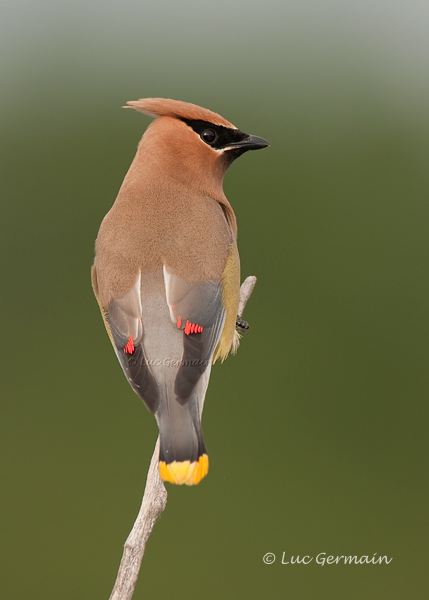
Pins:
x: 190, y: 142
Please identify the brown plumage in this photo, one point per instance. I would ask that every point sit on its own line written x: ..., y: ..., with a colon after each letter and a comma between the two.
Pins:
x: 166, y: 272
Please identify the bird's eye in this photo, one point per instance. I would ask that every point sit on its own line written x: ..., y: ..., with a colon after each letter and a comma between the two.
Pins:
x: 208, y: 136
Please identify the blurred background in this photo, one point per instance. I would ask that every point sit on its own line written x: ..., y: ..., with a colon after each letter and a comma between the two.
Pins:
x: 316, y: 430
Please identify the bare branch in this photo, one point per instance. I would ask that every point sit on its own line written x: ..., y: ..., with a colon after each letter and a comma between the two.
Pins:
x: 245, y: 292
x: 153, y: 504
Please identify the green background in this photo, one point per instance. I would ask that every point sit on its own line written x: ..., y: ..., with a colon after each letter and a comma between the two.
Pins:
x: 316, y: 430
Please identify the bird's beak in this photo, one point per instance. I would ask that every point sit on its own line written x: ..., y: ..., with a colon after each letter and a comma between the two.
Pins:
x: 251, y: 142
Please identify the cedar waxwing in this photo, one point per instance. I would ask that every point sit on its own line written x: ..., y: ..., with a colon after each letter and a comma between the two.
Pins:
x: 167, y: 273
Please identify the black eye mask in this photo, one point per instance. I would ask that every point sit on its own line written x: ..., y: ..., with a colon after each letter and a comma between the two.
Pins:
x: 216, y: 136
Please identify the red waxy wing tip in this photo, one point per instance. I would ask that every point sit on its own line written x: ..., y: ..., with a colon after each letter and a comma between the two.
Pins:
x: 129, y: 348
x: 192, y: 328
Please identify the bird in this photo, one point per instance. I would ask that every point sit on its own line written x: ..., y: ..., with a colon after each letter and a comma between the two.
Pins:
x: 166, y: 271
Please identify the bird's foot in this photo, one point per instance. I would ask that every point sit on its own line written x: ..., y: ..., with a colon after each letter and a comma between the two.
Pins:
x: 241, y: 324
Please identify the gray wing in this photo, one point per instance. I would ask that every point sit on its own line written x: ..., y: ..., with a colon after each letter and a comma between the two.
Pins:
x: 198, y: 311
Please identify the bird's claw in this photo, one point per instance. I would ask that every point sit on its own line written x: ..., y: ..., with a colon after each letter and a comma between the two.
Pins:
x: 241, y: 324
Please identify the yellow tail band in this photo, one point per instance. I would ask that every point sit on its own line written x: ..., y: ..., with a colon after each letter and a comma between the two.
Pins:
x: 185, y: 472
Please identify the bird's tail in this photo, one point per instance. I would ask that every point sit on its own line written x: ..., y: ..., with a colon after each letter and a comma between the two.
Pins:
x: 182, y: 457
